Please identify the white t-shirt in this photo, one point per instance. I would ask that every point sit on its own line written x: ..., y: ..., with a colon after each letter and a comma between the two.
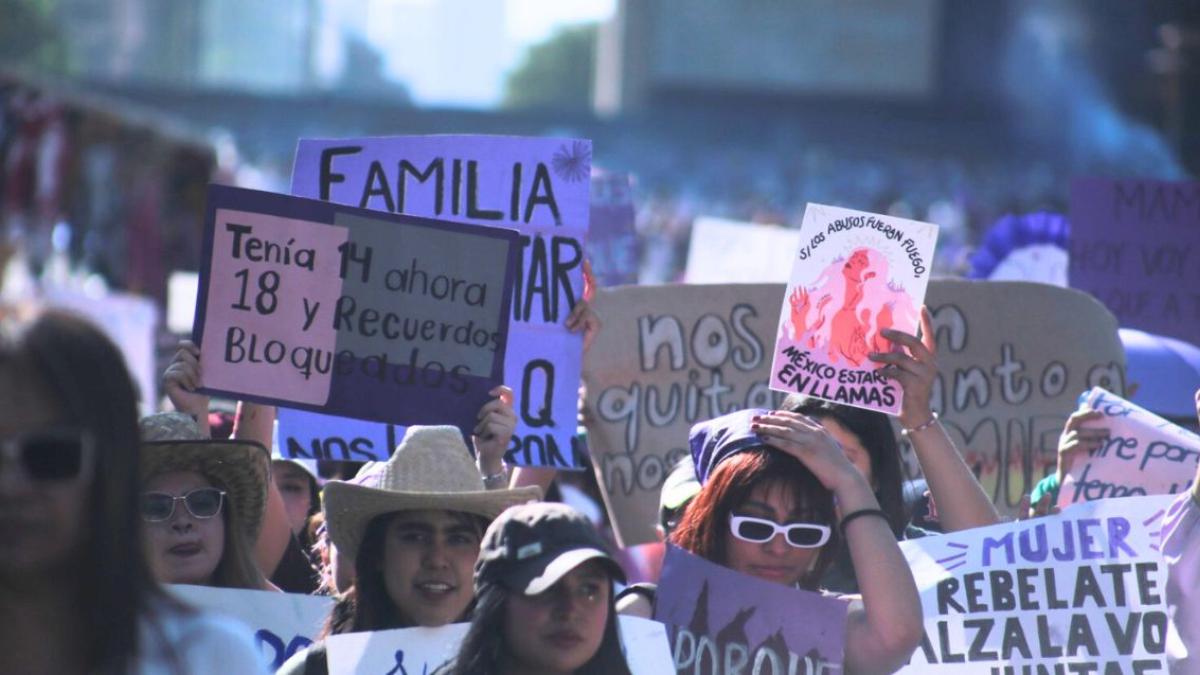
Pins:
x: 202, y: 642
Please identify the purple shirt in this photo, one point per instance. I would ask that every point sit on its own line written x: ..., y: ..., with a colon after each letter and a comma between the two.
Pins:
x: 1181, y: 551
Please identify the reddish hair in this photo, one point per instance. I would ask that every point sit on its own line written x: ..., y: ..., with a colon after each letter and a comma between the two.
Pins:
x: 705, y: 523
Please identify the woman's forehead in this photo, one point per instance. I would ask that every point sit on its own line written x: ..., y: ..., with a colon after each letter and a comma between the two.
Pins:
x: 434, y: 518
x: 777, y: 497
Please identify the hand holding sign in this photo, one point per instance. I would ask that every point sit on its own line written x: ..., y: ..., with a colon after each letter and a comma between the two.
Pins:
x: 495, y: 428
x: 1075, y: 438
x: 181, y: 380
x: 914, y: 366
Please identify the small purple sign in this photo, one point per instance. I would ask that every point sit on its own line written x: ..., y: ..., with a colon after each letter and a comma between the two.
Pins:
x: 722, y: 621
x: 345, y: 311
x: 612, y: 240
x: 1135, y: 245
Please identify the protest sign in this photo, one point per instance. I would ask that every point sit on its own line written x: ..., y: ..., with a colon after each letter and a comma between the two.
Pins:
x: 283, y: 623
x: 538, y: 186
x: 419, y: 651
x: 732, y: 252
x: 671, y: 356
x: 352, y: 312
x: 612, y: 241
x: 1007, y: 383
x: 722, y: 622
x: 855, y: 275
x: 130, y: 321
x: 1142, y: 455
x: 1078, y: 592
x: 1135, y: 245
x: 668, y: 357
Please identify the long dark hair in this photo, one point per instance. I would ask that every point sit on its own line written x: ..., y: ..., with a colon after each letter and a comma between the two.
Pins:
x: 483, y: 646
x: 705, y: 523
x: 86, y: 375
x: 874, y: 431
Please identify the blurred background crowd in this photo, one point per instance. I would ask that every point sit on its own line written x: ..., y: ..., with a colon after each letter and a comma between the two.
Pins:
x: 117, y: 113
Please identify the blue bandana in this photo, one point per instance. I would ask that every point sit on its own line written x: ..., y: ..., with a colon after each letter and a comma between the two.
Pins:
x: 722, y: 437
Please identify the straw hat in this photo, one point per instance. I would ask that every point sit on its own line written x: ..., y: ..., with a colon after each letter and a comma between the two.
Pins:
x: 431, y: 469
x: 174, y: 442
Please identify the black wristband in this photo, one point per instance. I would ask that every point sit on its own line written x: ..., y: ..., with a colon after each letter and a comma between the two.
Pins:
x: 858, y: 514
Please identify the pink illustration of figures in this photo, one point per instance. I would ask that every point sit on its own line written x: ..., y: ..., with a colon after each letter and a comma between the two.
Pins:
x: 855, y: 302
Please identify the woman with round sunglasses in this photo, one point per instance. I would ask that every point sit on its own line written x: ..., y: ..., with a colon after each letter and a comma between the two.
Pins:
x: 73, y: 577
x: 766, y: 508
x: 202, y: 504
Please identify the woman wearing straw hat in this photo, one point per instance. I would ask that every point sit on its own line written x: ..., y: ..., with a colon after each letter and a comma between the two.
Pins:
x: 202, y: 504
x: 413, y: 536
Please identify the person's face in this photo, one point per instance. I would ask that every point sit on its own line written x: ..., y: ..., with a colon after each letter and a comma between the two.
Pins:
x: 184, y: 549
x: 774, y: 560
x: 853, y: 447
x: 429, y: 563
x: 560, y: 630
x: 293, y: 484
x: 41, y: 521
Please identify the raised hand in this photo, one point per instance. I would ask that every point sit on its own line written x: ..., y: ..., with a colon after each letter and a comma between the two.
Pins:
x: 1075, y: 438
x: 497, y: 421
x: 914, y: 367
x: 181, y: 379
x: 805, y: 439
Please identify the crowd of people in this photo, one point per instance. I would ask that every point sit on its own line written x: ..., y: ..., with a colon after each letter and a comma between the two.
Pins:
x: 99, y: 513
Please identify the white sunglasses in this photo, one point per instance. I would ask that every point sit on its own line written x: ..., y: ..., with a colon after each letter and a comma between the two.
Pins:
x: 761, y: 530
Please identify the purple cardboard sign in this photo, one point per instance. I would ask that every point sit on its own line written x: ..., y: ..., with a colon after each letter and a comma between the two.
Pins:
x: 345, y: 311
x: 1135, y: 245
x: 612, y: 240
x: 721, y: 621
x: 538, y: 186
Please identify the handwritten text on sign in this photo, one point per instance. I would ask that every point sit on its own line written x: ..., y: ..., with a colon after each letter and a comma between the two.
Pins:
x: 1135, y: 245
x: 1080, y: 592
x: 538, y: 186
x: 331, y: 308
x: 1143, y: 454
x: 668, y: 357
x: 856, y: 274
x: 283, y: 623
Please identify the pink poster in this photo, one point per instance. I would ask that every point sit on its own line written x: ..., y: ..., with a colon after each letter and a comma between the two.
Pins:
x: 855, y: 275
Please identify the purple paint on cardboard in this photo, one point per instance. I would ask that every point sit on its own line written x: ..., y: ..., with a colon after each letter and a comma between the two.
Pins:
x: 612, y: 239
x: 708, y: 599
x: 540, y: 186
x: 1135, y: 245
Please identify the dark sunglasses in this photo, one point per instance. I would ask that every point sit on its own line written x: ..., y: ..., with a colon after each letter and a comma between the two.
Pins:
x: 201, y: 503
x: 50, y: 455
x: 761, y: 530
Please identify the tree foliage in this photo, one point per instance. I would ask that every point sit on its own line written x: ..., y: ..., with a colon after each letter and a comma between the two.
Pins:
x: 556, y: 73
x: 28, y: 36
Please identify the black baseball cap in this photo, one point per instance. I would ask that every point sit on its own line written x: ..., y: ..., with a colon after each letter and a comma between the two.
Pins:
x: 529, y: 547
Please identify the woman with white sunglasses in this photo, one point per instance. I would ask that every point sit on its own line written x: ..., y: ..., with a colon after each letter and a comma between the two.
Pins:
x: 778, y: 492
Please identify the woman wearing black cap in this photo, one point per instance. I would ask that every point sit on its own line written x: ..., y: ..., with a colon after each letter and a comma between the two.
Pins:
x: 544, y: 598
